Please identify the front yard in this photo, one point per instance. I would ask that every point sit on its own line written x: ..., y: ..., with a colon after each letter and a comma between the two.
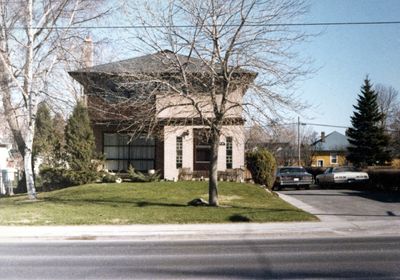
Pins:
x: 147, y: 203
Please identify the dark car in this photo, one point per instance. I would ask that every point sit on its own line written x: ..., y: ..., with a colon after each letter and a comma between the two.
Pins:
x: 292, y: 176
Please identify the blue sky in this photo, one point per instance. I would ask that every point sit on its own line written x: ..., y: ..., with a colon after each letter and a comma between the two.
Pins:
x: 346, y: 54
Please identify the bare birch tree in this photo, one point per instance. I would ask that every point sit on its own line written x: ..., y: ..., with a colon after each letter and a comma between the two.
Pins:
x: 35, y: 36
x: 216, y: 48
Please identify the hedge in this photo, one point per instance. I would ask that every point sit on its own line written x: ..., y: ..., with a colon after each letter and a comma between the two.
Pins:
x: 384, y: 179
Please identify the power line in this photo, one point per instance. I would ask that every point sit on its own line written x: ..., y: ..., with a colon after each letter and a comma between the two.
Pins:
x: 328, y: 125
x: 325, y: 125
x: 227, y: 25
x: 314, y: 124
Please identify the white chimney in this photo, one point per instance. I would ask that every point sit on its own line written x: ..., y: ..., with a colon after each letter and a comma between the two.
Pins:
x: 322, y: 136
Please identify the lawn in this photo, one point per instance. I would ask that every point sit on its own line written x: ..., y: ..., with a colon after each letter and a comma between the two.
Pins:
x: 147, y: 203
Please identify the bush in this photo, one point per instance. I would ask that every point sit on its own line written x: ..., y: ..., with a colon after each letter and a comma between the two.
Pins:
x: 262, y: 166
x: 21, y: 185
x: 137, y: 176
x: 81, y: 177
x: 109, y: 178
x: 58, y: 178
x: 384, y: 179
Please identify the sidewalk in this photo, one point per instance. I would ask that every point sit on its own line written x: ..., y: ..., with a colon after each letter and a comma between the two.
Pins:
x: 202, y: 231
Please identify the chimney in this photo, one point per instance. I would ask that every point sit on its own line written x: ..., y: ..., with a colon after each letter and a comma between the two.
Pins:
x: 87, y: 52
x: 322, y: 136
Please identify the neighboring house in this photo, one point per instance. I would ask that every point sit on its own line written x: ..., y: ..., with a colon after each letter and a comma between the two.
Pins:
x: 9, y: 165
x: 179, y: 142
x: 330, y: 150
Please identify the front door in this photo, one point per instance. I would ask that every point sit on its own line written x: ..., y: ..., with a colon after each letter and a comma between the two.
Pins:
x: 201, y: 149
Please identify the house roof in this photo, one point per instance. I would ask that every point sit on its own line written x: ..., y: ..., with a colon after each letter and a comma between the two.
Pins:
x: 159, y: 62
x: 334, y: 141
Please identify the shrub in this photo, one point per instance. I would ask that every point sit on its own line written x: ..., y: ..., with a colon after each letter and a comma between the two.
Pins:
x: 58, y: 178
x: 137, y: 176
x: 81, y: 177
x: 109, y: 178
x: 262, y: 166
x: 21, y: 185
x: 53, y: 178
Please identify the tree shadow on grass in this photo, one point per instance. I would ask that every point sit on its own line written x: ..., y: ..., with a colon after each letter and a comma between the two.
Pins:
x: 138, y: 203
x: 241, y: 213
x: 238, y: 218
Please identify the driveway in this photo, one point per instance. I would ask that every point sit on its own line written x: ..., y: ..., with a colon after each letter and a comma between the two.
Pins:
x: 345, y: 204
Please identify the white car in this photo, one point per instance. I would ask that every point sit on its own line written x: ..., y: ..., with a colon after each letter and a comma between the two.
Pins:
x: 341, y: 175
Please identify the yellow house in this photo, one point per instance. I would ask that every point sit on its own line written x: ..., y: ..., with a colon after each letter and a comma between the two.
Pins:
x: 330, y: 150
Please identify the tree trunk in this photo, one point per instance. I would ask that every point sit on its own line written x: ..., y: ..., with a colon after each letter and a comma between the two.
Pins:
x: 30, y: 181
x: 213, y: 171
x: 28, y: 83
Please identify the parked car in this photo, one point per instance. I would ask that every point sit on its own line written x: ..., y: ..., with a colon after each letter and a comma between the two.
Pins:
x: 292, y: 176
x: 341, y: 175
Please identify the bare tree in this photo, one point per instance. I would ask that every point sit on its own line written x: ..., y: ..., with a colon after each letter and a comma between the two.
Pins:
x: 35, y: 37
x: 217, y: 50
x: 388, y: 103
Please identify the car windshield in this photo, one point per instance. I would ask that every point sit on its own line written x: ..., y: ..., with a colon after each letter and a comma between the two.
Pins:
x: 291, y: 170
x: 343, y: 169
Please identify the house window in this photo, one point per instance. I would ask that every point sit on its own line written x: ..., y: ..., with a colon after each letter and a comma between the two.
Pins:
x: 121, y: 152
x: 334, y: 158
x: 320, y: 163
x: 229, y: 153
x: 179, y: 150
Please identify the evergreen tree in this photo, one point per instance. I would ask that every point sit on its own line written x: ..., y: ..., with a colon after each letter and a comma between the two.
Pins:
x: 43, y: 141
x: 79, y: 140
x: 59, y: 141
x: 369, y: 143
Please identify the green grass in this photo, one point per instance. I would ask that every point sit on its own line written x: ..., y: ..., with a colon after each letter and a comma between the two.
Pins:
x: 147, y: 203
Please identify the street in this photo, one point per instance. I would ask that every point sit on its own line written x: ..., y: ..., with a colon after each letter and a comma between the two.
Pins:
x: 371, y: 258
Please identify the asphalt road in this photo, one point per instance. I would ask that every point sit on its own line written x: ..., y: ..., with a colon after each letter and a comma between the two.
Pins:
x: 371, y: 258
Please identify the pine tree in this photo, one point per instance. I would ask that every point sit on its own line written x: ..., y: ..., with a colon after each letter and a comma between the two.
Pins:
x: 79, y: 140
x: 369, y: 143
x: 43, y: 141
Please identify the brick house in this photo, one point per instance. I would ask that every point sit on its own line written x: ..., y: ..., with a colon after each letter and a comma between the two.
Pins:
x: 178, y: 138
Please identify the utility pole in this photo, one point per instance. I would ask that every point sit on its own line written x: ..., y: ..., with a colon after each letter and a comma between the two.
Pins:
x: 298, y: 141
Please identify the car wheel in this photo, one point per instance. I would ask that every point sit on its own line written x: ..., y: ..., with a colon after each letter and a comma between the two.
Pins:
x: 319, y: 184
x: 307, y: 187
